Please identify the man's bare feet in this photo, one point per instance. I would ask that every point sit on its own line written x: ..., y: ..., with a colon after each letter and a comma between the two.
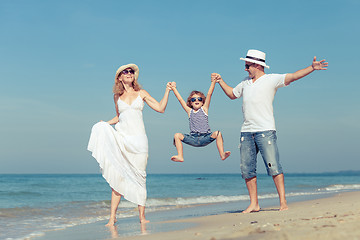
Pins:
x: 225, y: 155
x: 283, y: 207
x: 251, y: 209
x: 111, y: 222
x: 177, y: 158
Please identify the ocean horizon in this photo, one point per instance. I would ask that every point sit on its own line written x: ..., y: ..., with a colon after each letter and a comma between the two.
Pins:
x: 33, y: 205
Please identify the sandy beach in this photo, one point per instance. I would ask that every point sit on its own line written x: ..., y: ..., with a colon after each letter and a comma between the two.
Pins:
x: 337, y: 217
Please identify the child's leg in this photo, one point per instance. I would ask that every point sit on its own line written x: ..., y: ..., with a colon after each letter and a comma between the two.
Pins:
x: 220, y: 145
x: 178, y: 137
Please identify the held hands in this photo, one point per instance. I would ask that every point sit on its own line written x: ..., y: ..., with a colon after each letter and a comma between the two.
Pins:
x: 216, y: 77
x: 171, y: 85
x: 319, y: 65
x: 168, y: 86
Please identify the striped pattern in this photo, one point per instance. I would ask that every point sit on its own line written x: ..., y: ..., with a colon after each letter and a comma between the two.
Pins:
x: 198, y: 122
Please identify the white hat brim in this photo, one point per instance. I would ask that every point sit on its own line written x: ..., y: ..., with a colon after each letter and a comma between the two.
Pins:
x: 255, y: 61
x: 132, y: 66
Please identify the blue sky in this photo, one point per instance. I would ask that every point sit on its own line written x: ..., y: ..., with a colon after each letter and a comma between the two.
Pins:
x: 58, y: 60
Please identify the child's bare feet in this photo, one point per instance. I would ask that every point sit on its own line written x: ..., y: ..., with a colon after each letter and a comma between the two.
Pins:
x: 225, y: 155
x: 177, y: 158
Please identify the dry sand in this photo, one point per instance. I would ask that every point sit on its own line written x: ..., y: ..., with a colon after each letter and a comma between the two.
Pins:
x: 337, y: 217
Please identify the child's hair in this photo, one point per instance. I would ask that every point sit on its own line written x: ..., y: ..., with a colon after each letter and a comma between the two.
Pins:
x: 188, y: 102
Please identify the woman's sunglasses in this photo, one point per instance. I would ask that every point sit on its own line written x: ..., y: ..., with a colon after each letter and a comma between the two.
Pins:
x: 194, y: 99
x: 125, y: 72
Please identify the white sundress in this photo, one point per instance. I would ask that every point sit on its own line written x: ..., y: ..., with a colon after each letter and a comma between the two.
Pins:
x: 122, y: 152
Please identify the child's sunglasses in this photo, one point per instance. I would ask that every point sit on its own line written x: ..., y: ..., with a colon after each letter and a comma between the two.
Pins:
x: 125, y: 72
x: 194, y: 99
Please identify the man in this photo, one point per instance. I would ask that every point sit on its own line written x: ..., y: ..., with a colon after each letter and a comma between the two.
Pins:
x: 258, y: 131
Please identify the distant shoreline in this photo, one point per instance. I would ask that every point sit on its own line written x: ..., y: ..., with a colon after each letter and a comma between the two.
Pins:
x: 345, y: 172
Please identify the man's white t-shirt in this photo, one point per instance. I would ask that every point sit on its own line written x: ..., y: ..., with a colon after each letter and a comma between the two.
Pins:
x: 258, y: 100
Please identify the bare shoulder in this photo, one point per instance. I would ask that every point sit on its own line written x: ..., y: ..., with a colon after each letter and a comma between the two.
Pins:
x: 205, y: 109
x: 116, y: 97
x: 144, y: 94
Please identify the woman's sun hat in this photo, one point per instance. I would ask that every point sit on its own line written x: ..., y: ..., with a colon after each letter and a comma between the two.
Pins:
x: 255, y: 56
x: 132, y: 66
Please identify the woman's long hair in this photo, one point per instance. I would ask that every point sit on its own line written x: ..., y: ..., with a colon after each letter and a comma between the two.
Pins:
x: 119, y: 86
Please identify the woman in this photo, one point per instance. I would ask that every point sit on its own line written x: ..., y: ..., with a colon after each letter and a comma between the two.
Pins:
x: 122, y: 152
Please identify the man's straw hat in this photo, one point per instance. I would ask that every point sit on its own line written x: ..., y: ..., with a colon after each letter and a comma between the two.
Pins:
x: 255, y: 56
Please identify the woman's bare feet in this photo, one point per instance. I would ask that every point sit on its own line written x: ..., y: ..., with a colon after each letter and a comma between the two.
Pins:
x: 142, y: 221
x: 177, y: 158
x: 114, y: 232
x: 142, y: 214
x: 225, y: 155
x: 143, y: 228
x: 111, y: 222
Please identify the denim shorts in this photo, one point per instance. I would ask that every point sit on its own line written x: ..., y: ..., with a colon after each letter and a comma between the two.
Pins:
x: 198, y: 139
x: 253, y: 142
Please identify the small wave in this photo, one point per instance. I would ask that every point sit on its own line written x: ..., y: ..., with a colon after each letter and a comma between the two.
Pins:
x: 340, y: 187
x: 19, y: 212
x: 32, y: 235
x: 23, y: 194
x: 157, y: 203
x: 153, y: 202
x: 179, y: 201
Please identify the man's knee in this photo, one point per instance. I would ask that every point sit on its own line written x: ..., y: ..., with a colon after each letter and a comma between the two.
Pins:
x: 274, y: 170
x: 272, y: 162
x: 248, y: 175
x: 248, y: 170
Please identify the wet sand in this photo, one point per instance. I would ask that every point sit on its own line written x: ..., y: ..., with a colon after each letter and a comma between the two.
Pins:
x: 336, y: 217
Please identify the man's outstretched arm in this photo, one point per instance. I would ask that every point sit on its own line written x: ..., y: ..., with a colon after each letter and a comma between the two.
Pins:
x: 316, y: 65
x: 226, y: 88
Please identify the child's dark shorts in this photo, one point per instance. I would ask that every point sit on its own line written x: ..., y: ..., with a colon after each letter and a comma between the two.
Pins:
x: 198, y: 139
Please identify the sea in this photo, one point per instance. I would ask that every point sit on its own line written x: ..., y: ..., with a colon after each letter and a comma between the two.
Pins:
x: 34, y: 205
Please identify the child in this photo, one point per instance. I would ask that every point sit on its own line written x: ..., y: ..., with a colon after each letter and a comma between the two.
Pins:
x: 197, y: 107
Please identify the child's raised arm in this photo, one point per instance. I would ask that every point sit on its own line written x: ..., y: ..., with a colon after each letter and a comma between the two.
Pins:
x: 209, y: 94
x: 181, y: 100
